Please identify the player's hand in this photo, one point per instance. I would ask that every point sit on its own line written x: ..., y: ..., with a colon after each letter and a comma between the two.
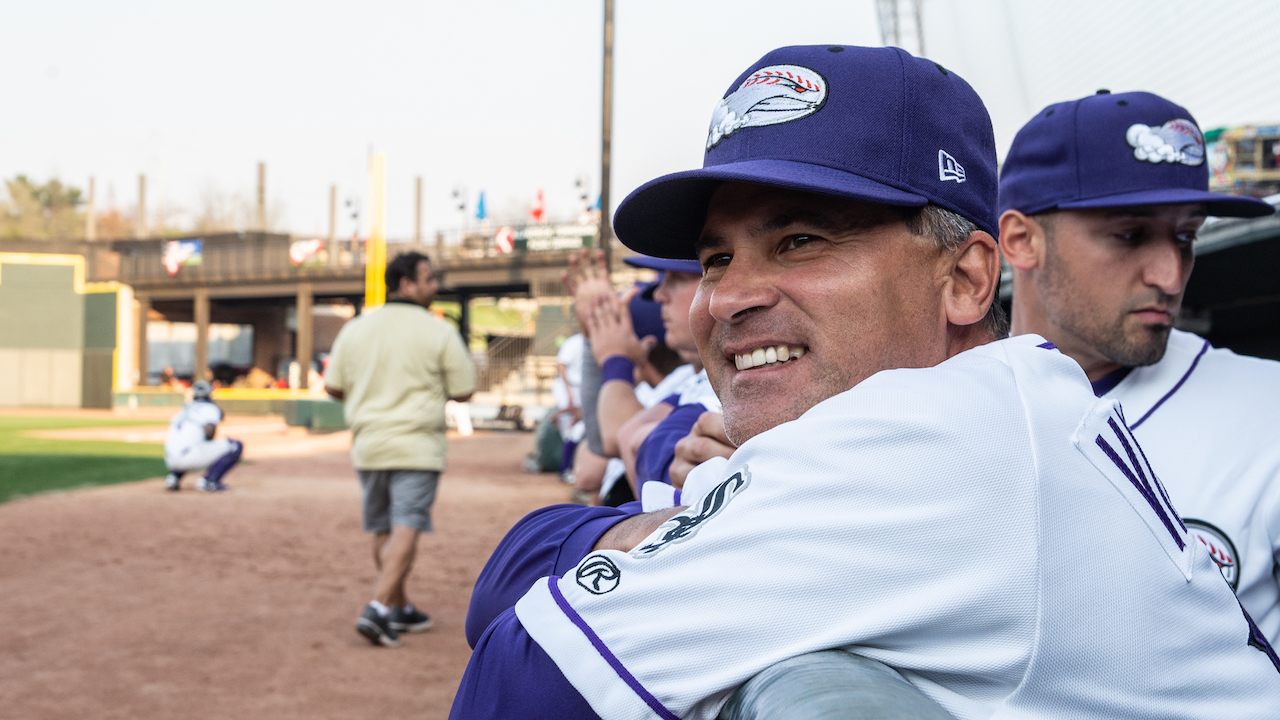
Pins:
x: 628, y: 533
x: 586, y: 280
x: 706, y: 440
x: 611, y: 332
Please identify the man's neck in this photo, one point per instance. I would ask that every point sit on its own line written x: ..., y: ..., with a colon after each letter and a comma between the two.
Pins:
x: 398, y: 298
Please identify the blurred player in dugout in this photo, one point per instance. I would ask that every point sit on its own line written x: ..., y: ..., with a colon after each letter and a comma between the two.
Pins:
x: 191, y: 445
x: 395, y: 369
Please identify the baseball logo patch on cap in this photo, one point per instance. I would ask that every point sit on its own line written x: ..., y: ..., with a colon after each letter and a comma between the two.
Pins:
x: 1177, y: 141
x: 769, y: 96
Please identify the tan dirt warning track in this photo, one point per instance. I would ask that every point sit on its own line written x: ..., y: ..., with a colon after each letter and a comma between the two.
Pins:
x: 130, y: 602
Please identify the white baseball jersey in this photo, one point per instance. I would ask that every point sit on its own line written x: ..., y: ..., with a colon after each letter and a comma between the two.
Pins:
x: 1209, y: 421
x: 987, y: 527
x: 675, y: 382
x: 185, y: 447
x: 699, y: 390
x: 186, y: 427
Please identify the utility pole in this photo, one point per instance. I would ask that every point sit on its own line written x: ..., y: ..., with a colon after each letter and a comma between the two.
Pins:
x: 262, y: 197
x: 606, y: 137
x: 333, y: 225
x: 141, y: 230
x: 919, y: 10
x: 90, y: 215
x: 417, y: 213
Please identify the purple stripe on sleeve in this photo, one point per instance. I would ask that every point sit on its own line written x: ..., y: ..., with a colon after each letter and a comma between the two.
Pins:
x: 1047, y: 345
x: 1178, y: 385
x: 609, y: 657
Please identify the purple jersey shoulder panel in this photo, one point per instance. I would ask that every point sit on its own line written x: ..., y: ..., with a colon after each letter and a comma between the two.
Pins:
x: 653, y: 459
x: 545, y: 542
x: 510, y: 677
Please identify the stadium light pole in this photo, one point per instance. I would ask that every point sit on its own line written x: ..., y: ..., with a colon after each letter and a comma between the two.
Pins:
x: 606, y: 227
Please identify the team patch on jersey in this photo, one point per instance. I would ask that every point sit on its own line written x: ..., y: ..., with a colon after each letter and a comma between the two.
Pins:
x: 598, y: 574
x: 1220, y: 547
x: 1177, y: 141
x: 771, y: 95
x: 683, y: 526
x: 1105, y: 439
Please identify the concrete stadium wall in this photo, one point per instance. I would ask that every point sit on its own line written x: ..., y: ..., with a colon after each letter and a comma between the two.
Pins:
x: 58, y: 335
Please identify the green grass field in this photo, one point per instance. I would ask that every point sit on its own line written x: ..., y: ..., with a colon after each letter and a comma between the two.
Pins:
x: 35, y: 465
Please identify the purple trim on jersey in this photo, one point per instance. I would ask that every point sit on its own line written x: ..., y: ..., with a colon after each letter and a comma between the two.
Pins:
x: 1176, y: 386
x: 672, y: 400
x: 653, y: 459
x: 1108, y: 382
x: 609, y: 657
x: 1257, y: 639
x: 1143, y: 487
x: 1047, y: 345
x: 675, y: 499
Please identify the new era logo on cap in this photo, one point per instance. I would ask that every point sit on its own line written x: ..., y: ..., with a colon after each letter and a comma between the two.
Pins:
x: 948, y: 168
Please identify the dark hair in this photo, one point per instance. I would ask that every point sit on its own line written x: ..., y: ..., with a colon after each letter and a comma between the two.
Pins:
x: 664, y: 359
x: 405, y: 265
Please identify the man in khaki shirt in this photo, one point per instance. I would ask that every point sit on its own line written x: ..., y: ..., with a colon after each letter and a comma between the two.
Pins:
x: 395, y: 368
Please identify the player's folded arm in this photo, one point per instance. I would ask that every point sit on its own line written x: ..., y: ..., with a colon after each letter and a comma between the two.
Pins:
x: 549, y: 541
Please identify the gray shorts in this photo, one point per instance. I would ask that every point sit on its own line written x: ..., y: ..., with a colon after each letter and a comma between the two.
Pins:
x: 398, y: 497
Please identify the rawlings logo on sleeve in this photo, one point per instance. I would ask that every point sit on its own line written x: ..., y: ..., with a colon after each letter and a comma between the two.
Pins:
x: 686, y: 524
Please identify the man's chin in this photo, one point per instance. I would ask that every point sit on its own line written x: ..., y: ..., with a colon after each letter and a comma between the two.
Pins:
x: 1144, y: 346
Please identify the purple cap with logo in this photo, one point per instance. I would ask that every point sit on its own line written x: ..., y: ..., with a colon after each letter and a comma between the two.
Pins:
x: 1108, y: 150
x: 873, y: 124
x: 646, y: 314
x: 692, y: 267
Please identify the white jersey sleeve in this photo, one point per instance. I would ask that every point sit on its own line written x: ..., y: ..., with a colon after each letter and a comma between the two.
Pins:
x: 1208, y: 421
x: 698, y: 390
x: 958, y: 523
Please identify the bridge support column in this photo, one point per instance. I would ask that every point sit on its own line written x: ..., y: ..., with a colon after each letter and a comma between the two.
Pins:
x: 302, y: 352
x: 144, y: 309
x: 201, y: 312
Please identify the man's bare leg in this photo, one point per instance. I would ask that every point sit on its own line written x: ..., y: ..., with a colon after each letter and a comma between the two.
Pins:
x: 393, y: 556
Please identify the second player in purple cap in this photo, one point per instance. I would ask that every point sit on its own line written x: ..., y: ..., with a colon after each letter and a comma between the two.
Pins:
x: 1102, y: 199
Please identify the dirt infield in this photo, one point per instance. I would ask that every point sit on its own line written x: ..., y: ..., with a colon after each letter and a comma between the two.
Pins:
x: 129, y: 602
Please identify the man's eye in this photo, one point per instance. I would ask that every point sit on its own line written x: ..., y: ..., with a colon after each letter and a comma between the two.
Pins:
x: 795, y: 241
x: 716, y: 260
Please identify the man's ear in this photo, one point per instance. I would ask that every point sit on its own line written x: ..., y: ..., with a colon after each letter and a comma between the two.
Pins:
x: 1021, y: 241
x: 975, y: 276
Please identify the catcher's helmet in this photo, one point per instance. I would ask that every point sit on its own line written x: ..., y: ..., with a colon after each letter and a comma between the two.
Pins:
x: 201, y: 390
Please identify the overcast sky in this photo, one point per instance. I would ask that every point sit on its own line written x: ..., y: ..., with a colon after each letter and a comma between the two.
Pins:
x: 504, y: 95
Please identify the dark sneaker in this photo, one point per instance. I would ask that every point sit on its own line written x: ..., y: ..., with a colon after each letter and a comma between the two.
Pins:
x: 377, y: 629
x: 171, y: 482
x: 408, y: 619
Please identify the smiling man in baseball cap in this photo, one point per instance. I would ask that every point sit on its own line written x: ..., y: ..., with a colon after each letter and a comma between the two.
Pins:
x: 905, y: 487
x: 1102, y: 198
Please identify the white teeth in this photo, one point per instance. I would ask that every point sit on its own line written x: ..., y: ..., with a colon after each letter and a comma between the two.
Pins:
x: 767, y: 356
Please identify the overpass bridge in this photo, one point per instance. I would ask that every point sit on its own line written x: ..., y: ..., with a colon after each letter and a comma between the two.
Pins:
x: 287, y: 288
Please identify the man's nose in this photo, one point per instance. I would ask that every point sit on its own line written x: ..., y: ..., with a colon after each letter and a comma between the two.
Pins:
x: 745, y: 285
x: 1167, y: 267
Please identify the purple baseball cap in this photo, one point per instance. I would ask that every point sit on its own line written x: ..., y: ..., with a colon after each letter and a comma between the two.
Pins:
x: 873, y: 124
x: 646, y: 314
x: 665, y: 264
x: 1118, y: 150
